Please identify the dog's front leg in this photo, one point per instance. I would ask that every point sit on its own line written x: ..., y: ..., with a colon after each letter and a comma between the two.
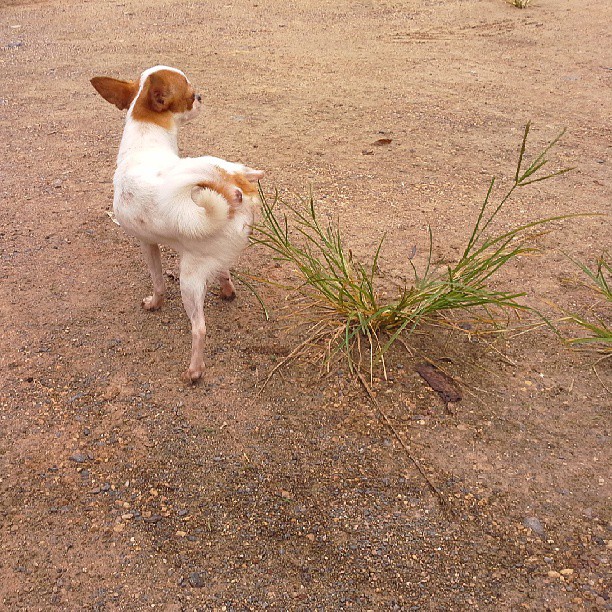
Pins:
x: 194, y: 275
x: 153, y: 258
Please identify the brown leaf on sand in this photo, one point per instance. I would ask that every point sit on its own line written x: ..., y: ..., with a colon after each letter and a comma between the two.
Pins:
x: 440, y: 382
x: 381, y: 142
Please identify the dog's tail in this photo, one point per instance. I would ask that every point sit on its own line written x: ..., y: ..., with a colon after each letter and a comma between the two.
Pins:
x: 207, y: 207
x: 201, y: 211
x: 216, y: 203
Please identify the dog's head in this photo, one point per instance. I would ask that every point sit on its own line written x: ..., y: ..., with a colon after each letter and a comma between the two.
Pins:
x: 162, y: 95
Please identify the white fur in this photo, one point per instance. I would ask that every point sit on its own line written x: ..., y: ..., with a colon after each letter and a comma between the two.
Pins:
x: 158, y: 201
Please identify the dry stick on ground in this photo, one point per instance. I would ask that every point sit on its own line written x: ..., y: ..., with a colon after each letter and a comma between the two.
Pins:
x: 597, y: 373
x: 443, y: 501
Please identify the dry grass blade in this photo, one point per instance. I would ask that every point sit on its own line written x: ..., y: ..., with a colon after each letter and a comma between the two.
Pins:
x: 313, y: 336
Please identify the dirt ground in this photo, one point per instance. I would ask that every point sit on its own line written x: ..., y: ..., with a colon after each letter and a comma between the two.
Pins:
x: 123, y: 489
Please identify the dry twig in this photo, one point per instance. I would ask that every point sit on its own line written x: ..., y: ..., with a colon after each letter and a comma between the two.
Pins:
x: 443, y: 501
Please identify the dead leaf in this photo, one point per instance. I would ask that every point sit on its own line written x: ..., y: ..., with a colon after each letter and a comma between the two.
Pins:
x: 440, y: 382
x: 381, y: 142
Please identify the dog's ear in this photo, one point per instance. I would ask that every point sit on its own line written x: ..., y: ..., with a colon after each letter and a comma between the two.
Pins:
x: 119, y: 93
x: 161, y: 94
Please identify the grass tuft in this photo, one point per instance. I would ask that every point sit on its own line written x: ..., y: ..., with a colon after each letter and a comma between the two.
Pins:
x: 343, y: 297
x: 599, y: 280
x: 519, y: 3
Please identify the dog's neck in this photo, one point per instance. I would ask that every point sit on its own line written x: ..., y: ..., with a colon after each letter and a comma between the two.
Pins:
x: 142, y: 136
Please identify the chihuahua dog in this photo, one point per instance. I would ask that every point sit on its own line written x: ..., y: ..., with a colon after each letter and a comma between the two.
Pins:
x: 203, y: 207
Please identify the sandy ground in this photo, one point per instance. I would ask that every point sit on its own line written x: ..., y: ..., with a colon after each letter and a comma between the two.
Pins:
x: 121, y: 489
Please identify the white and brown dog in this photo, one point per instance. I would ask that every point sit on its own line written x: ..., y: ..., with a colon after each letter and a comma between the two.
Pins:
x: 203, y: 207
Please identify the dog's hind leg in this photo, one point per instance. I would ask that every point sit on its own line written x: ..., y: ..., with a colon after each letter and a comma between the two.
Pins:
x: 228, y: 291
x: 153, y: 258
x: 194, y: 277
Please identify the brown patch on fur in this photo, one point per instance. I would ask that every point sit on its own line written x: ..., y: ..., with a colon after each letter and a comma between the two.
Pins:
x: 226, y: 186
x: 119, y: 93
x: 243, y: 183
x: 224, y: 189
x: 164, y: 92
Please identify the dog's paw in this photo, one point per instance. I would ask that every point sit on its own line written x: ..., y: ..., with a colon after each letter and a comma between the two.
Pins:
x: 228, y: 294
x: 227, y: 290
x: 228, y: 297
x: 192, y: 376
x: 152, y: 302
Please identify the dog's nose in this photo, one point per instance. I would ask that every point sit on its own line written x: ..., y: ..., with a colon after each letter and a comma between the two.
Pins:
x: 199, y: 98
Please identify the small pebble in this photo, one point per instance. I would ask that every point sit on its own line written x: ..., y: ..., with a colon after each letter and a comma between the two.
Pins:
x: 196, y: 580
x: 79, y: 457
x: 155, y: 518
x: 535, y: 525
